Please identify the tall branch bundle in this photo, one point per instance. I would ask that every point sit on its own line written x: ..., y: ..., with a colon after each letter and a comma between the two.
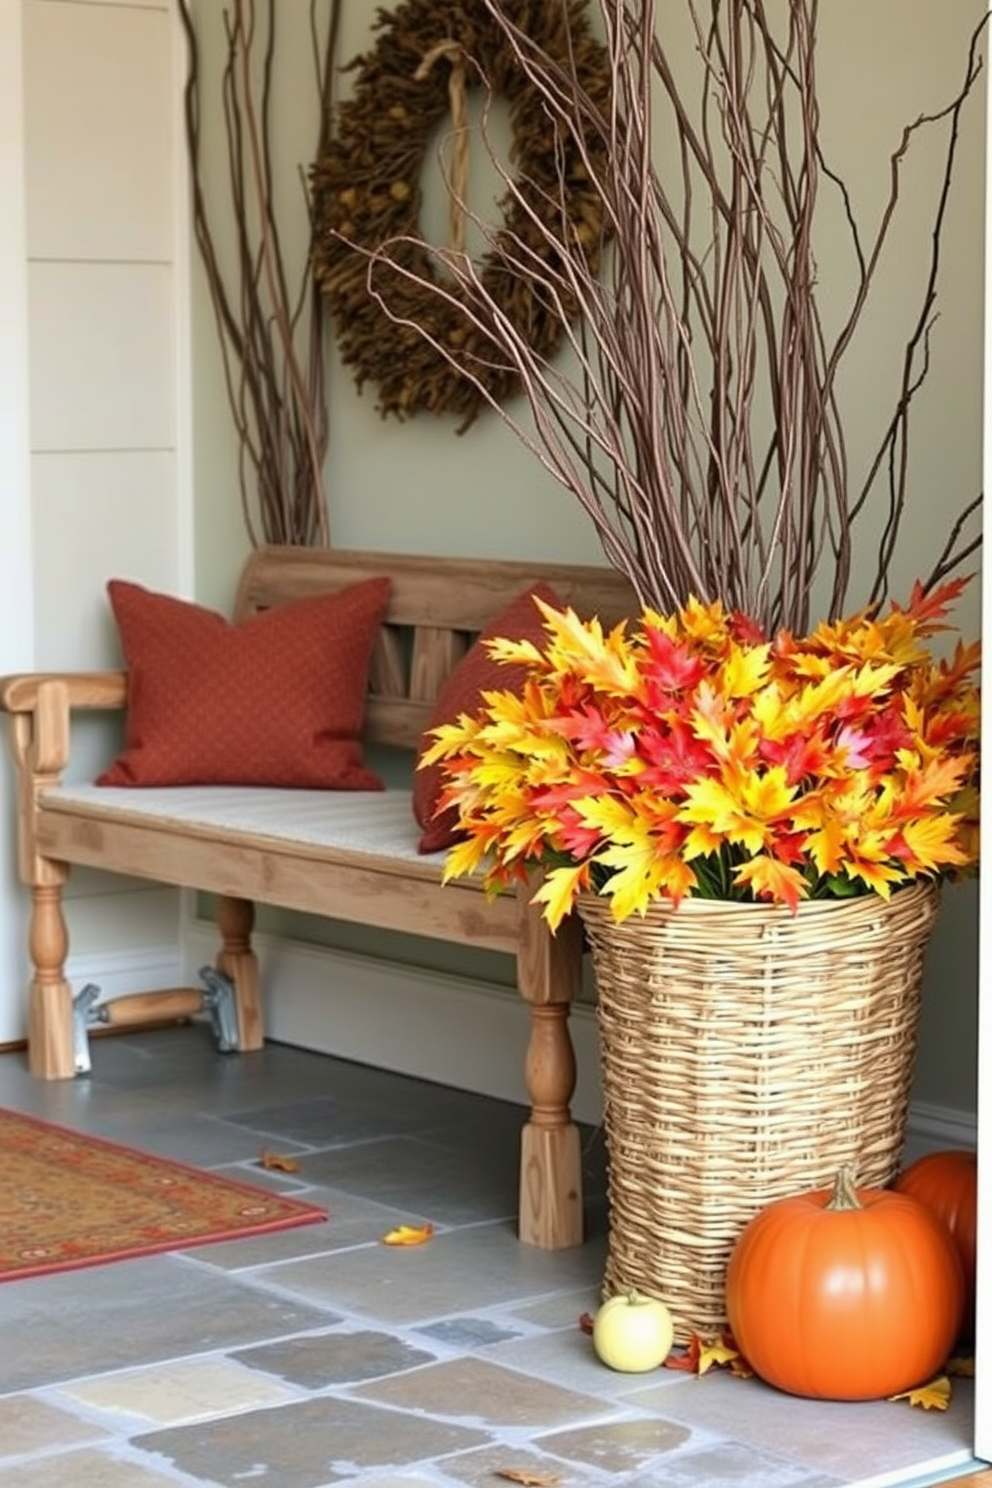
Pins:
x: 271, y: 333
x: 696, y: 418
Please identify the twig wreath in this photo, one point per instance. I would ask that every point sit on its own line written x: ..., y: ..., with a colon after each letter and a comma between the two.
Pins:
x: 367, y: 198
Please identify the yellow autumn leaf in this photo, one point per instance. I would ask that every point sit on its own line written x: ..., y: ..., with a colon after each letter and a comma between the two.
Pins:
x: 605, y: 661
x: 464, y: 859
x: 745, y: 670
x: 715, y: 1352
x: 408, y: 1235
x: 932, y: 842
x: 642, y: 874
x: 558, y: 891
x: 935, y: 1395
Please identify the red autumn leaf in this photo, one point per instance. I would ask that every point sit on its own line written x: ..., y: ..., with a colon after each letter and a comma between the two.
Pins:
x: 586, y: 1322
x: 687, y: 1359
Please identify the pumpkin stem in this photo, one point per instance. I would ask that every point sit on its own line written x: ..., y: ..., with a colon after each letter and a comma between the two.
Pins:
x: 844, y: 1195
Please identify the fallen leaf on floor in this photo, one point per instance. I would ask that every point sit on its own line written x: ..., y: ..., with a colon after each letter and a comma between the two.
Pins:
x: 716, y: 1352
x: 962, y: 1365
x: 687, y: 1358
x: 586, y: 1322
x: 278, y: 1163
x: 703, y: 1354
x: 527, y: 1478
x: 935, y: 1395
x: 408, y: 1235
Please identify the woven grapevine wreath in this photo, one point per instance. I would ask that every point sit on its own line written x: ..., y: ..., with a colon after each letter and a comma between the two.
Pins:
x: 366, y: 192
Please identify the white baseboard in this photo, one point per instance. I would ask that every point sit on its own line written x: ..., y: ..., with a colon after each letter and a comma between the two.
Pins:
x: 934, y: 1127
x: 402, y: 1018
x: 405, y: 1019
x: 118, y: 973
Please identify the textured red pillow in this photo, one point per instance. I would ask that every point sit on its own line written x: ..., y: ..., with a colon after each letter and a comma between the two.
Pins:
x: 277, y: 700
x: 476, y: 673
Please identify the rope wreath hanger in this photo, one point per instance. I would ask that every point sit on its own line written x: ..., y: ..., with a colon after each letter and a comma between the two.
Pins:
x: 366, y: 193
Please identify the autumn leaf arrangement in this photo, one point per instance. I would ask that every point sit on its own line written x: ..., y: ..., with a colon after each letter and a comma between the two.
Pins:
x: 689, y: 754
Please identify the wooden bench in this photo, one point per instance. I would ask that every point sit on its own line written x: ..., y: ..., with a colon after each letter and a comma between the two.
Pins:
x: 437, y: 607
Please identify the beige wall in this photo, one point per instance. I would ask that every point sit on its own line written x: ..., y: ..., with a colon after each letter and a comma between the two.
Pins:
x: 99, y: 485
x: 93, y: 402
x: 419, y: 487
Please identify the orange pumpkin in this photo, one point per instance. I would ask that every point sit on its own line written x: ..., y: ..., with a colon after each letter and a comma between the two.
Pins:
x: 947, y: 1183
x: 844, y: 1294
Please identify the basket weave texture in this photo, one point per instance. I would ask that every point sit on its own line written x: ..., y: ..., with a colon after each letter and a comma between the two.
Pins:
x: 747, y: 1053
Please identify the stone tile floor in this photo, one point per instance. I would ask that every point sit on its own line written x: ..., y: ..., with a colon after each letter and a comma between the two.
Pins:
x: 318, y: 1356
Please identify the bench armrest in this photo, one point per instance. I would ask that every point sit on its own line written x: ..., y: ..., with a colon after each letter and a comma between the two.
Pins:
x: 20, y: 693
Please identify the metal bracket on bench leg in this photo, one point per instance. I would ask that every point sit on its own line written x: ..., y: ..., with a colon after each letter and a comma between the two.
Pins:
x: 220, y: 1001
x: 83, y: 1016
x: 218, y: 998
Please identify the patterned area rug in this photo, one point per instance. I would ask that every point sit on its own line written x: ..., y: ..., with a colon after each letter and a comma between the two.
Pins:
x: 67, y: 1200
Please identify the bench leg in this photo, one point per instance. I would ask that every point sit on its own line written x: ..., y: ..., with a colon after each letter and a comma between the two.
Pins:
x: 51, y: 1043
x: 549, y: 976
x: 237, y: 960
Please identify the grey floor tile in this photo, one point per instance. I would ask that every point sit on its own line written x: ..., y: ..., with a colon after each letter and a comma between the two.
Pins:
x: 482, y: 1468
x: 443, y: 1182
x: 174, y: 1392
x: 57, y: 1328
x: 311, y: 1445
x: 87, y: 1469
x: 28, y: 1425
x: 483, y: 1393
x: 725, y: 1465
x: 318, y: 1355
x: 351, y: 1220
x: 619, y: 1448
x: 468, y: 1333
x: 848, y: 1440
x: 459, y: 1270
x: 345, y: 1356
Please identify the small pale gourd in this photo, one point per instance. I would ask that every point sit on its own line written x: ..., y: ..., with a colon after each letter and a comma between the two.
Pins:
x: 633, y: 1333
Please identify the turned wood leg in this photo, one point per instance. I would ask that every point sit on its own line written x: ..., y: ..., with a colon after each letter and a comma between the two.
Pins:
x: 549, y: 974
x: 51, y: 1052
x: 237, y: 960
x: 550, y: 1153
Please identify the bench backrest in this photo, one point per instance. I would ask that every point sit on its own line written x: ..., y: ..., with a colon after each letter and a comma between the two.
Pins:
x: 437, y: 608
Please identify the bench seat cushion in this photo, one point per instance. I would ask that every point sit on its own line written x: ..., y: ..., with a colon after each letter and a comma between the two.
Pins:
x: 377, y: 824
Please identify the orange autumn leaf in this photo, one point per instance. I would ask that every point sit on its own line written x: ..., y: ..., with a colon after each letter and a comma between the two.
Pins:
x: 935, y: 1395
x: 276, y: 1162
x: 961, y: 1365
x: 527, y: 1478
x: 408, y: 1235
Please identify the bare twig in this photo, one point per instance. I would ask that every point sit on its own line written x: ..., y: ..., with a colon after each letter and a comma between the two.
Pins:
x: 695, y: 415
x: 271, y: 336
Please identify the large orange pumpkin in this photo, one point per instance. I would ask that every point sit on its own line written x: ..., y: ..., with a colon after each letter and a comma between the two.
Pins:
x: 844, y: 1294
x: 947, y: 1183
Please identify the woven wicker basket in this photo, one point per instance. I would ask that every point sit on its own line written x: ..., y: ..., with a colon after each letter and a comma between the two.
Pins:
x: 746, y: 1053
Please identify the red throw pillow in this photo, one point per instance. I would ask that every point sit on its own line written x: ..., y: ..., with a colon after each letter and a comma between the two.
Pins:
x: 277, y: 700
x: 476, y: 673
